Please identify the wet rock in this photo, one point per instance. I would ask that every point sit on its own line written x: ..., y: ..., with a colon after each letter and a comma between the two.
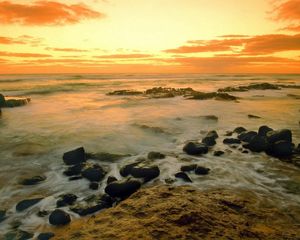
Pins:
x: 218, y: 153
x: 122, y: 189
x: 229, y: 141
x: 280, y: 135
x: 225, y: 97
x: 21, y: 206
x: 239, y: 130
x: 2, y: 101
x: 145, y: 172
x: 156, y: 155
x: 252, y: 86
x: 188, y: 168
x: 247, y: 136
x: 194, y: 148
x: 245, y: 151
x: 111, y: 179
x: 253, y: 116
x: 59, y: 217
x: 75, y: 178
x: 66, y: 199
x: 183, y: 176
x: 212, y: 134
x: 209, y: 141
x: 74, y: 170
x: 125, y: 93
x: 16, y: 102
x: 281, y: 149
x: 33, y: 180
x: 216, y: 95
x: 106, y: 157
x: 257, y: 144
x: 170, y: 180
x: 211, y: 117
x: 126, y: 170
x: 42, y: 213
x: 18, y: 235
x: 94, y: 173
x: 2, y: 215
x: 94, y: 185
x: 202, y: 170
x: 74, y: 157
x: 45, y: 236
x: 228, y: 133
x: 263, y: 130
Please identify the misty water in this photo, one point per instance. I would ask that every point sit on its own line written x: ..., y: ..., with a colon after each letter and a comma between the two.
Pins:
x: 69, y: 111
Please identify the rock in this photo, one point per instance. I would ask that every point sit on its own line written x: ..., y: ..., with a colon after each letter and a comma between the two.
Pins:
x: 253, y: 116
x: 75, y: 178
x: 16, y: 102
x: 74, y: 170
x: 257, y: 144
x: 42, y: 213
x: 281, y: 149
x: 2, y: 101
x: 225, y: 97
x: 212, y: 134
x: 218, y: 153
x: 183, y: 176
x: 122, y: 189
x: 202, y: 170
x: 263, y: 130
x: 94, y: 173
x: 228, y: 134
x: 247, y: 136
x: 245, y: 151
x: 45, y: 236
x: 156, y: 155
x: 126, y: 170
x: 59, y: 217
x: 231, y: 141
x: 147, y: 173
x: 280, y: 135
x: 194, y: 148
x: 33, y: 180
x: 211, y: 117
x: 125, y: 93
x: 209, y: 141
x: 239, y: 130
x: 74, y: 157
x: 66, y: 199
x: 111, y: 179
x: 18, y: 235
x: 94, y: 185
x: 2, y: 215
x: 188, y: 168
x: 21, y: 206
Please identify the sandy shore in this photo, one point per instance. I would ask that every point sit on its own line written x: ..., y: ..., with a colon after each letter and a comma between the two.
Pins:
x: 167, y: 212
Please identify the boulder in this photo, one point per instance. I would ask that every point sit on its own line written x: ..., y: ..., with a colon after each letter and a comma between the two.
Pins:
x: 94, y: 185
x: 263, y: 130
x: 21, y: 206
x: 280, y: 135
x: 75, y: 156
x: 218, y: 153
x: 94, y: 173
x: 194, y: 148
x: 59, y: 217
x: 66, y: 199
x: 281, y: 149
x: 257, y: 144
x: 247, y: 136
x: 209, y: 141
x: 122, y: 189
x: 33, y: 180
x: 156, y: 155
x: 126, y: 170
x: 145, y: 172
x: 45, y: 236
x: 202, y: 170
x: 188, y: 168
x: 111, y: 179
x: 183, y: 176
x: 212, y: 134
x: 74, y: 170
x: 239, y: 130
x: 229, y: 141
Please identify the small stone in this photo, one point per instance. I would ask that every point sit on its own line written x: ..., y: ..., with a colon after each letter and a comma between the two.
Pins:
x: 59, y: 217
x: 202, y: 170
x: 94, y: 185
x: 188, y: 168
x: 193, y: 148
x: 111, y: 179
x: 156, y: 155
x: 33, y: 180
x: 218, y: 153
x: 21, y: 206
x: 45, y: 236
x: 183, y: 176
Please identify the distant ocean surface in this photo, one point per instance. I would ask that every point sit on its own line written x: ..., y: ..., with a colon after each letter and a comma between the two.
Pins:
x: 72, y: 110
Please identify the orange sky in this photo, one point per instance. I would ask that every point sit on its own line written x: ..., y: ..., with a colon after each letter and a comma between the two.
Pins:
x: 157, y: 36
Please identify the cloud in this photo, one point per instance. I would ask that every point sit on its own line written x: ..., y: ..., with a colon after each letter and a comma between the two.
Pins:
x: 24, y: 39
x: 45, y: 13
x: 66, y: 49
x: 124, y: 56
x: 256, y: 45
x: 24, y: 55
x: 233, y: 36
x: 8, y: 40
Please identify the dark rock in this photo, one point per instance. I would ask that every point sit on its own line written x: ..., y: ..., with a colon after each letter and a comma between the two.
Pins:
x: 231, y: 141
x: 212, y: 134
x: 218, y: 153
x: 188, y: 168
x: 183, y: 176
x: 32, y: 181
x: 281, y: 149
x: 2, y: 215
x: 66, y: 199
x: 86, y: 210
x: 257, y: 144
x: 239, y: 130
x: 194, y: 148
x: 225, y: 97
x: 122, y: 189
x: 125, y: 93
x: 228, y: 134
x: 111, y: 179
x: 42, y: 213
x: 94, y: 185
x: 247, y: 136
x: 263, y: 130
x: 18, y: 235
x: 2, y: 101
x: 75, y: 178
x: 280, y: 135
x: 202, y: 170
x: 45, y: 236
x: 126, y: 170
x: 156, y: 155
x: 253, y: 116
x: 94, y: 173
x: 147, y: 173
x: 74, y: 170
x: 59, y: 217
x: 245, y: 151
x: 75, y: 156
x: 21, y: 206
x: 211, y: 117
x: 209, y: 141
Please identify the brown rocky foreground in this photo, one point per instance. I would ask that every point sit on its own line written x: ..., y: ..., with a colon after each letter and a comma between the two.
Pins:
x: 167, y: 212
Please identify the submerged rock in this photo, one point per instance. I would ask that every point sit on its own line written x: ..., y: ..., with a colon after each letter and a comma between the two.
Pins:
x: 27, y: 203
x: 281, y: 149
x: 201, y: 170
x: 125, y: 93
x: 74, y: 157
x: 146, y: 172
x: 74, y: 170
x: 253, y: 116
x: 155, y: 155
x: 59, y: 217
x: 106, y: 157
x: 33, y: 180
x: 257, y: 144
x: 183, y: 176
x: 194, y: 148
x: 263, y: 130
x: 45, y: 236
x: 94, y: 173
x: 280, y: 135
x: 218, y: 153
x: 66, y: 199
x: 18, y: 235
x: 122, y: 189
x: 231, y: 141
x: 10, y: 102
x: 247, y: 136
x: 188, y: 168
x: 126, y: 170
x: 210, y: 117
x: 239, y: 130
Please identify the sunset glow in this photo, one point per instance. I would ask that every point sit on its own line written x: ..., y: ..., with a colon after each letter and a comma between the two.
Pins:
x: 158, y: 36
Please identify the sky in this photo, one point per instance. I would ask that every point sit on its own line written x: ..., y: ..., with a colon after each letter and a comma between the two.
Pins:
x: 157, y: 36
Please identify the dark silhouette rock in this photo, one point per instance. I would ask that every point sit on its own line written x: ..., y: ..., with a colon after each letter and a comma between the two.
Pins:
x: 147, y: 173
x: 281, y: 149
x: 74, y: 170
x: 209, y: 141
x: 2, y: 215
x: 239, y: 130
x: 42, y: 213
x: 263, y: 130
x: 257, y: 144
x: 94, y: 185
x: 126, y: 170
x: 188, y: 168
x: 74, y: 178
x: 33, y: 180
x: 183, y: 176
x: 105, y: 157
x: 59, y: 217
x: 218, y: 153
x: 2, y: 101
x: 202, y: 170
x: 229, y: 141
x: 66, y: 199
x: 45, y: 236
x: 18, y: 235
x: 280, y: 135
x: 75, y: 156
x: 253, y: 116
x: 194, y: 148
x: 156, y: 155
x: 111, y: 179
x: 21, y: 206
x: 87, y: 210
x: 247, y: 136
x: 94, y: 173
x: 122, y: 189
